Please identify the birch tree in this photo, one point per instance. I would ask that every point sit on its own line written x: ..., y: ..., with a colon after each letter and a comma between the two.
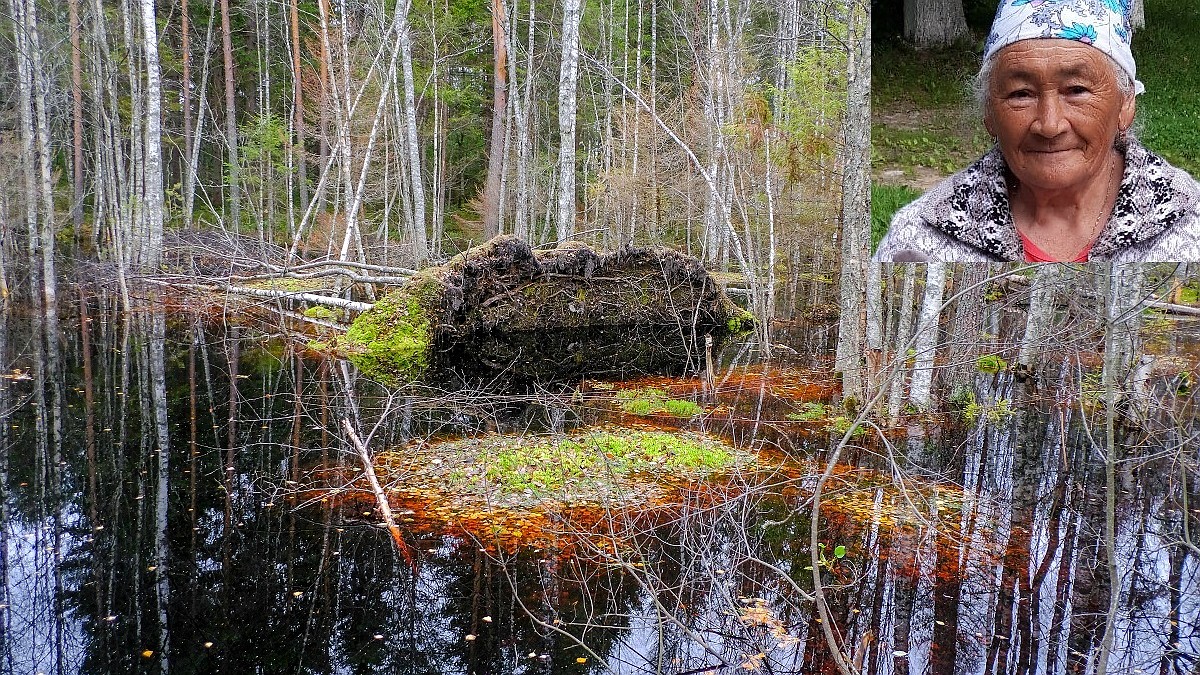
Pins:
x: 152, y: 191
x: 856, y: 212
x: 1042, y: 303
x: 568, y: 78
x: 231, y: 130
x: 926, y: 342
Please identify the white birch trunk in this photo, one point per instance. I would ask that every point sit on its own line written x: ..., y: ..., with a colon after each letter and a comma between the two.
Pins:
x: 856, y: 212
x: 152, y: 190
x: 568, y: 79
x: 1041, y: 312
x: 419, y: 238
x: 926, y: 341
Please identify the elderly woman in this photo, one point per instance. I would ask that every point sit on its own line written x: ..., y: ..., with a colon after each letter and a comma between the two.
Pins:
x: 1065, y: 182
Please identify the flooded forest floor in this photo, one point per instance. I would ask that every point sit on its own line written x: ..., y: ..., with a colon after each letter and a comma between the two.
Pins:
x: 633, y: 524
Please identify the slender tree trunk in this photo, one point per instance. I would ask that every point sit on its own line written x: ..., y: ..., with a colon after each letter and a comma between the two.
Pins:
x: 1041, y: 313
x: 76, y: 118
x: 231, y: 130
x: 856, y: 212
x: 903, y: 333
x: 927, y: 336
x: 151, y: 246
x: 419, y: 237
x: 495, y: 170
x: 185, y: 95
x: 568, y: 78
x: 298, y: 105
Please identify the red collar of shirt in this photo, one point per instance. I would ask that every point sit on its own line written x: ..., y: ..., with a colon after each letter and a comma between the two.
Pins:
x: 1034, y: 254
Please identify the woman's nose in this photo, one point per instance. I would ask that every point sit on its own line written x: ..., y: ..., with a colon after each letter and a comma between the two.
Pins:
x: 1050, y: 121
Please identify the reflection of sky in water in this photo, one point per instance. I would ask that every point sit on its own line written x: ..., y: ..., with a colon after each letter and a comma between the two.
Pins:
x: 1012, y: 581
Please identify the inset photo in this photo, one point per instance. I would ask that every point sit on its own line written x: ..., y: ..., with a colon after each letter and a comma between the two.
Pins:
x: 1036, y: 131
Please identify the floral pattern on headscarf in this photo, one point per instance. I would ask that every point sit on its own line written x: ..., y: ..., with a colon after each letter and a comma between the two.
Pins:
x: 1103, y: 24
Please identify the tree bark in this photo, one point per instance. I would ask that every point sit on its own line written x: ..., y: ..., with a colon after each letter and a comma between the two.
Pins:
x: 77, y: 117
x: 419, y: 237
x: 568, y: 78
x: 152, y: 196
x: 927, y: 336
x: 1041, y: 313
x: 491, y: 191
x: 856, y: 213
x: 929, y: 24
x: 298, y: 105
x: 231, y: 131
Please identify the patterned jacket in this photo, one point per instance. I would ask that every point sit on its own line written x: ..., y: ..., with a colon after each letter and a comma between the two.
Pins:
x: 966, y: 218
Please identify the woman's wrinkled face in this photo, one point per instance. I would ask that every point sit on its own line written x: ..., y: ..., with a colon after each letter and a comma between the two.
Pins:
x: 1056, y: 108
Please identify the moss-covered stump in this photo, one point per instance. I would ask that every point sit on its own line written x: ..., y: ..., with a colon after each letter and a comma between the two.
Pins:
x: 542, y: 314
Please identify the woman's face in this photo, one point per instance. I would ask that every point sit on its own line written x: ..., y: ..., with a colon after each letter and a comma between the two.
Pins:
x: 1056, y: 108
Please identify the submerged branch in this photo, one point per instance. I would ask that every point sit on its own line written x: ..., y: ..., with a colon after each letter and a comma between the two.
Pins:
x: 385, y: 509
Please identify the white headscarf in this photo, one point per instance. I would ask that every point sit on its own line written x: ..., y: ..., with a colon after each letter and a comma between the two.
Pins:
x: 1103, y: 24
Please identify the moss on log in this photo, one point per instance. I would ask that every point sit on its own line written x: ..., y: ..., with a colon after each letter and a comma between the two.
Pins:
x: 503, y: 306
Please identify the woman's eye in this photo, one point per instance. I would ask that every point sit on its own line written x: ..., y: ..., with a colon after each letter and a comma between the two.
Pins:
x: 1077, y: 90
x: 1020, y: 94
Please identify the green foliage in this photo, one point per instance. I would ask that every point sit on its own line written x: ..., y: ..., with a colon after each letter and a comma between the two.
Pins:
x: 811, y: 108
x: 810, y: 411
x: 1156, y: 326
x: 990, y: 363
x: 997, y: 412
x: 742, y: 322
x: 1189, y: 294
x: 841, y: 424
x: 962, y: 397
x: 886, y: 200
x: 651, y: 401
x: 543, y: 464
x: 828, y: 561
x: 681, y: 408
x: 1091, y: 389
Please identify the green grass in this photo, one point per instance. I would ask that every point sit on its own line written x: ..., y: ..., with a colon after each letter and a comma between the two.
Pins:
x: 810, y: 411
x: 543, y: 463
x: 943, y: 146
x: 1167, y: 51
x: 886, y: 200
x: 650, y: 401
x: 930, y: 79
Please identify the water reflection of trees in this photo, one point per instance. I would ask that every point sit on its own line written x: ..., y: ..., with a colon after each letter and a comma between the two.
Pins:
x: 277, y: 580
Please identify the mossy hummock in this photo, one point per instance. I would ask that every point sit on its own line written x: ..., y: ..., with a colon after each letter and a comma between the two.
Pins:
x: 503, y: 307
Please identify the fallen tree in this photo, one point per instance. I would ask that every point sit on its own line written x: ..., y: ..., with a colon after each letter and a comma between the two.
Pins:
x: 503, y: 307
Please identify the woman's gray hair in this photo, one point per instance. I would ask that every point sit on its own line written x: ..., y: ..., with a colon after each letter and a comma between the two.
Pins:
x: 981, y: 85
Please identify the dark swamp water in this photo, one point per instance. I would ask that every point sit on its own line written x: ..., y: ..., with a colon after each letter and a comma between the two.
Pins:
x: 249, y: 547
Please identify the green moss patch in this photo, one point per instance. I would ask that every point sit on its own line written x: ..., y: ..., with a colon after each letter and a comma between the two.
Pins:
x: 390, y: 341
x: 651, y: 401
x: 613, y: 464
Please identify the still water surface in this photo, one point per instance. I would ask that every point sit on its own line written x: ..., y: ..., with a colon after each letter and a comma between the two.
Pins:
x: 251, y: 547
